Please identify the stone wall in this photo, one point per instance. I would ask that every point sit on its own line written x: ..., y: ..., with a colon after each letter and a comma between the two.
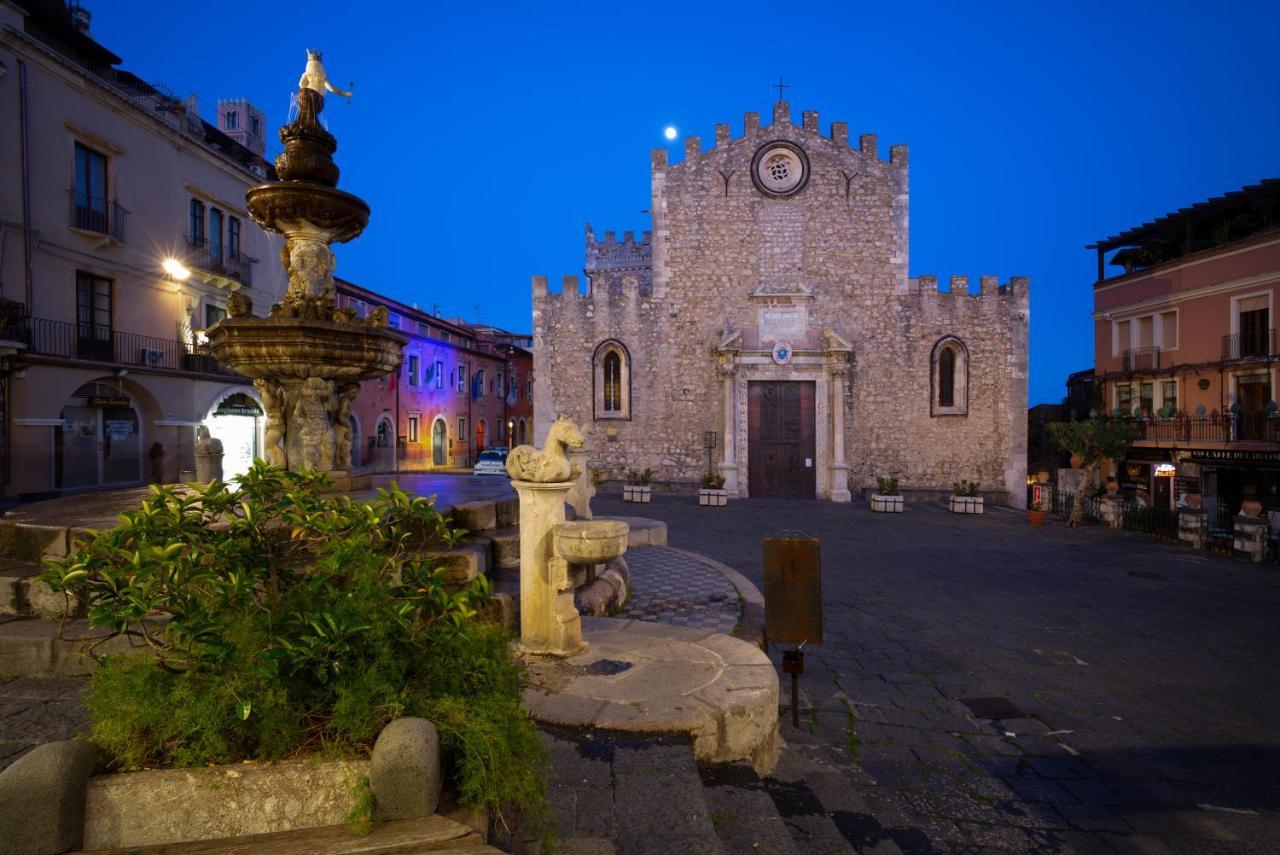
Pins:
x: 735, y: 270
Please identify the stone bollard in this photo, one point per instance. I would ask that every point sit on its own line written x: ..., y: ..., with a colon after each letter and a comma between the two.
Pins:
x: 208, y: 456
x: 580, y: 495
x: 1250, y: 537
x: 549, y: 622
x: 1111, y: 511
x: 1193, y: 523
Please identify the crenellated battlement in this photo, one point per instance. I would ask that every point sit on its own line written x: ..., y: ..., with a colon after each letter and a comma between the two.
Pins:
x: 612, y: 263
x: 1017, y: 288
x: 571, y: 290
x: 809, y: 121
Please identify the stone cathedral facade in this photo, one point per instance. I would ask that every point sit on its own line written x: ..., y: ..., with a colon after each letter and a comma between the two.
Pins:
x: 768, y: 328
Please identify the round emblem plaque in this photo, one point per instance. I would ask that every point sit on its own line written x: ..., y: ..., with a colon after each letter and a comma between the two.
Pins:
x: 780, y: 169
x: 782, y: 352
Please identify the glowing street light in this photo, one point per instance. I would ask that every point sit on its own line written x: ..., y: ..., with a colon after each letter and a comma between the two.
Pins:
x: 176, y: 269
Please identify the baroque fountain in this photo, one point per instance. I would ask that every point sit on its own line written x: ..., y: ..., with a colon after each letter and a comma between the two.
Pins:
x: 307, y: 357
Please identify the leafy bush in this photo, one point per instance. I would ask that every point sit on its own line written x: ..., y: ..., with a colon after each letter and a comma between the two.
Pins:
x: 640, y: 477
x: 965, y: 488
x: 713, y: 480
x: 887, y: 486
x: 277, y: 621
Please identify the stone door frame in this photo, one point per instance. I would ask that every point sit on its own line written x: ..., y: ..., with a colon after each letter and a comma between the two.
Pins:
x: 827, y: 369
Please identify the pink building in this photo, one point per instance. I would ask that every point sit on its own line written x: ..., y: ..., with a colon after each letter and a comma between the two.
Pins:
x: 461, y: 389
x: 1184, y: 339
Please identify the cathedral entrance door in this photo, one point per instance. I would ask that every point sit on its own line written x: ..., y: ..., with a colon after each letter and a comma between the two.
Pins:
x: 780, y: 440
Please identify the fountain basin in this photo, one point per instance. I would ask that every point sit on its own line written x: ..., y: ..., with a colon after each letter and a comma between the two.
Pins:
x: 301, y: 348
x: 590, y: 541
x: 278, y: 206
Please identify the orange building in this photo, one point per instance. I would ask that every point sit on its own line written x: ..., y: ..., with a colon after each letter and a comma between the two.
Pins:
x: 1184, y: 342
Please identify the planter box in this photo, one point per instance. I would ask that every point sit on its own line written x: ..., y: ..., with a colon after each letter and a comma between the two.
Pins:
x: 636, y: 493
x: 886, y: 504
x: 966, y: 504
x: 711, y: 498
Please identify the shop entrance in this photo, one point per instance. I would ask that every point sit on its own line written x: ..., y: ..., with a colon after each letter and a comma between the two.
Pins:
x: 236, y: 420
x: 97, y: 444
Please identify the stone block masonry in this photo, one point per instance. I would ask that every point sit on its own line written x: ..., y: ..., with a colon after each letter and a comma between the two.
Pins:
x: 781, y: 255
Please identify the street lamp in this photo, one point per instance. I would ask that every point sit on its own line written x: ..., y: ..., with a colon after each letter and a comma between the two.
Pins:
x: 176, y: 269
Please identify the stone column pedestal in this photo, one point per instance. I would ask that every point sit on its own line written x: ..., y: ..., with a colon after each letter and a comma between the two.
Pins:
x: 549, y: 622
x: 1250, y: 537
x: 1110, y: 510
x: 1192, y: 525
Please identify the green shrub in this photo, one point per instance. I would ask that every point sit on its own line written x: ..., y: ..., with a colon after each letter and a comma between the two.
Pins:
x: 713, y: 480
x: 277, y: 621
x: 965, y: 488
x: 887, y: 486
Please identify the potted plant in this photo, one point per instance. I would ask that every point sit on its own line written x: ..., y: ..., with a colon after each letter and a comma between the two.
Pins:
x: 713, y: 494
x: 637, y: 488
x: 1037, y: 513
x: 887, y: 499
x: 965, y: 498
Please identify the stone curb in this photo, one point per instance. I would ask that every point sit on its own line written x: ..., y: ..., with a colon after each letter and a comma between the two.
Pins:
x: 751, y: 627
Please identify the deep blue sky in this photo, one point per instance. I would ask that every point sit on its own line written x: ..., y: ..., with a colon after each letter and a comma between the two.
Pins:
x: 484, y: 136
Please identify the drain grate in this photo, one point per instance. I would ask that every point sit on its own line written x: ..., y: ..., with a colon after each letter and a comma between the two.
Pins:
x: 606, y: 667
x: 1148, y: 574
x: 992, y: 708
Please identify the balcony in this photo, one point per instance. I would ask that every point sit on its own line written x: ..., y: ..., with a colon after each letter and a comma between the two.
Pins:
x: 96, y: 215
x: 1254, y: 344
x: 103, y: 344
x: 1213, y: 429
x: 203, y: 254
x: 1142, y: 359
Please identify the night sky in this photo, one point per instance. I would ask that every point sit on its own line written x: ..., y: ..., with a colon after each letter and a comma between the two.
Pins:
x: 484, y: 136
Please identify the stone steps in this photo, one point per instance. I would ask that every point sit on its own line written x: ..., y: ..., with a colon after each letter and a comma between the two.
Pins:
x: 23, y: 595
x: 32, y: 647
x: 435, y: 834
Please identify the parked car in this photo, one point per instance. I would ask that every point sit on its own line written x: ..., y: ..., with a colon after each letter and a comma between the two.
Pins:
x: 492, y: 461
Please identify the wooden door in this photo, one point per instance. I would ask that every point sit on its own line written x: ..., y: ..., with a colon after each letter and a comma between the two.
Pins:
x: 781, y: 440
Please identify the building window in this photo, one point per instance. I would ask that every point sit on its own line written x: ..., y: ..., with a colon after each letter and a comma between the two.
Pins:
x: 1169, y: 397
x: 1255, y: 339
x: 439, y: 374
x: 215, y: 237
x: 93, y: 317
x: 255, y: 125
x: 1146, y: 398
x: 195, y: 224
x: 232, y: 120
x: 414, y: 419
x: 384, y: 434
x: 1168, y: 330
x: 91, y: 191
x: 462, y: 427
x: 1124, y: 399
x: 1123, y: 337
x: 950, y: 378
x: 502, y: 385
x: 462, y: 385
x: 233, y: 238
x: 612, y: 373
x: 413, y: 369
x: 213, y: 314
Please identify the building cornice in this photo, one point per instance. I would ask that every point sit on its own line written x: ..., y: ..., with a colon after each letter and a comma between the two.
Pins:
x: 1202, y: 257
x: 117, y: 98
x: 1271, y: 277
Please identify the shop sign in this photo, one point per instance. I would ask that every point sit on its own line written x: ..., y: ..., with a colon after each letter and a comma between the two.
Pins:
x: 118, y: 429
x: 1227, y: 455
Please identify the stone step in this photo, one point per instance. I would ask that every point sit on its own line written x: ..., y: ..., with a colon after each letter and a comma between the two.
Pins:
x: 435, y: 834
x: 22, y: 594
x: 743, y: 813
x: 32, y: 647
x: 506, y: 547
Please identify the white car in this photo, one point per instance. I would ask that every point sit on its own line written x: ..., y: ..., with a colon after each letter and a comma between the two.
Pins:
x: 491, y: 462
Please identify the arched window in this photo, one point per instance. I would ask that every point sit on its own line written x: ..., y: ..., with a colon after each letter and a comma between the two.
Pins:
x: 612, y: 371
x: 949, y: 375
x: 233, y: 120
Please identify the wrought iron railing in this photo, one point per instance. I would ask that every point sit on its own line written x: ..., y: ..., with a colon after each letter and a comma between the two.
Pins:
x: 96, y: 214
x: 1251, y: 344
x: 205, y: 254
x: 100, y: 343
x: 1242, y: 427
x: 1142, y: 359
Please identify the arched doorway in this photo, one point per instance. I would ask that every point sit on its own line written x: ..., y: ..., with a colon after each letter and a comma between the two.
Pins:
x: 383, y: 443
x: 236, y: 420
x: 439, y: 443
x: 98, y: 443
x: 522, y: 429
x: 479, y: 436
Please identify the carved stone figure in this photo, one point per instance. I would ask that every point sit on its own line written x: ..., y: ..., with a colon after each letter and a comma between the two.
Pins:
x: 208, y: 456
x: 342, y: 427
x: 311, y: 266
x: 378, y: 317
x: 316, y: 78
x: 273, y: 432
x: 550, y: 464
x: 310, y: 417
x: 239, y: 305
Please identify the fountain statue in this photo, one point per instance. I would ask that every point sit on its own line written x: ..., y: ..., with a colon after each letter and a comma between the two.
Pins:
x: 307, y: 357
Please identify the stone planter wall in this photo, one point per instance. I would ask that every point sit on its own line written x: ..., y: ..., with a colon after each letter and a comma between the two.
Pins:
x: 966, y: 504
x: 1250, y: 537
x: 1192, y: 525
x: 886, y: 504
x: 712, y: 498
x: 637, y: 493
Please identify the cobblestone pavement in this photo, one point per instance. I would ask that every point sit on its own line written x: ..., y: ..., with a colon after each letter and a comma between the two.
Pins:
x: 39, y: 709
x: 1146, y: 706
x: 672, y: 587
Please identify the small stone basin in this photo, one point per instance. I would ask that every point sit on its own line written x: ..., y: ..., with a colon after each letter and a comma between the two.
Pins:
x: 590, y: 541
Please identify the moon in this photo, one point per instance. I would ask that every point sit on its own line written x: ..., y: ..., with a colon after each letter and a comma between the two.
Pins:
x: 670, y: 132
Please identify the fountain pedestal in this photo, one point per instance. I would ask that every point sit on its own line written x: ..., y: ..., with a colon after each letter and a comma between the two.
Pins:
x: 549, y: 622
